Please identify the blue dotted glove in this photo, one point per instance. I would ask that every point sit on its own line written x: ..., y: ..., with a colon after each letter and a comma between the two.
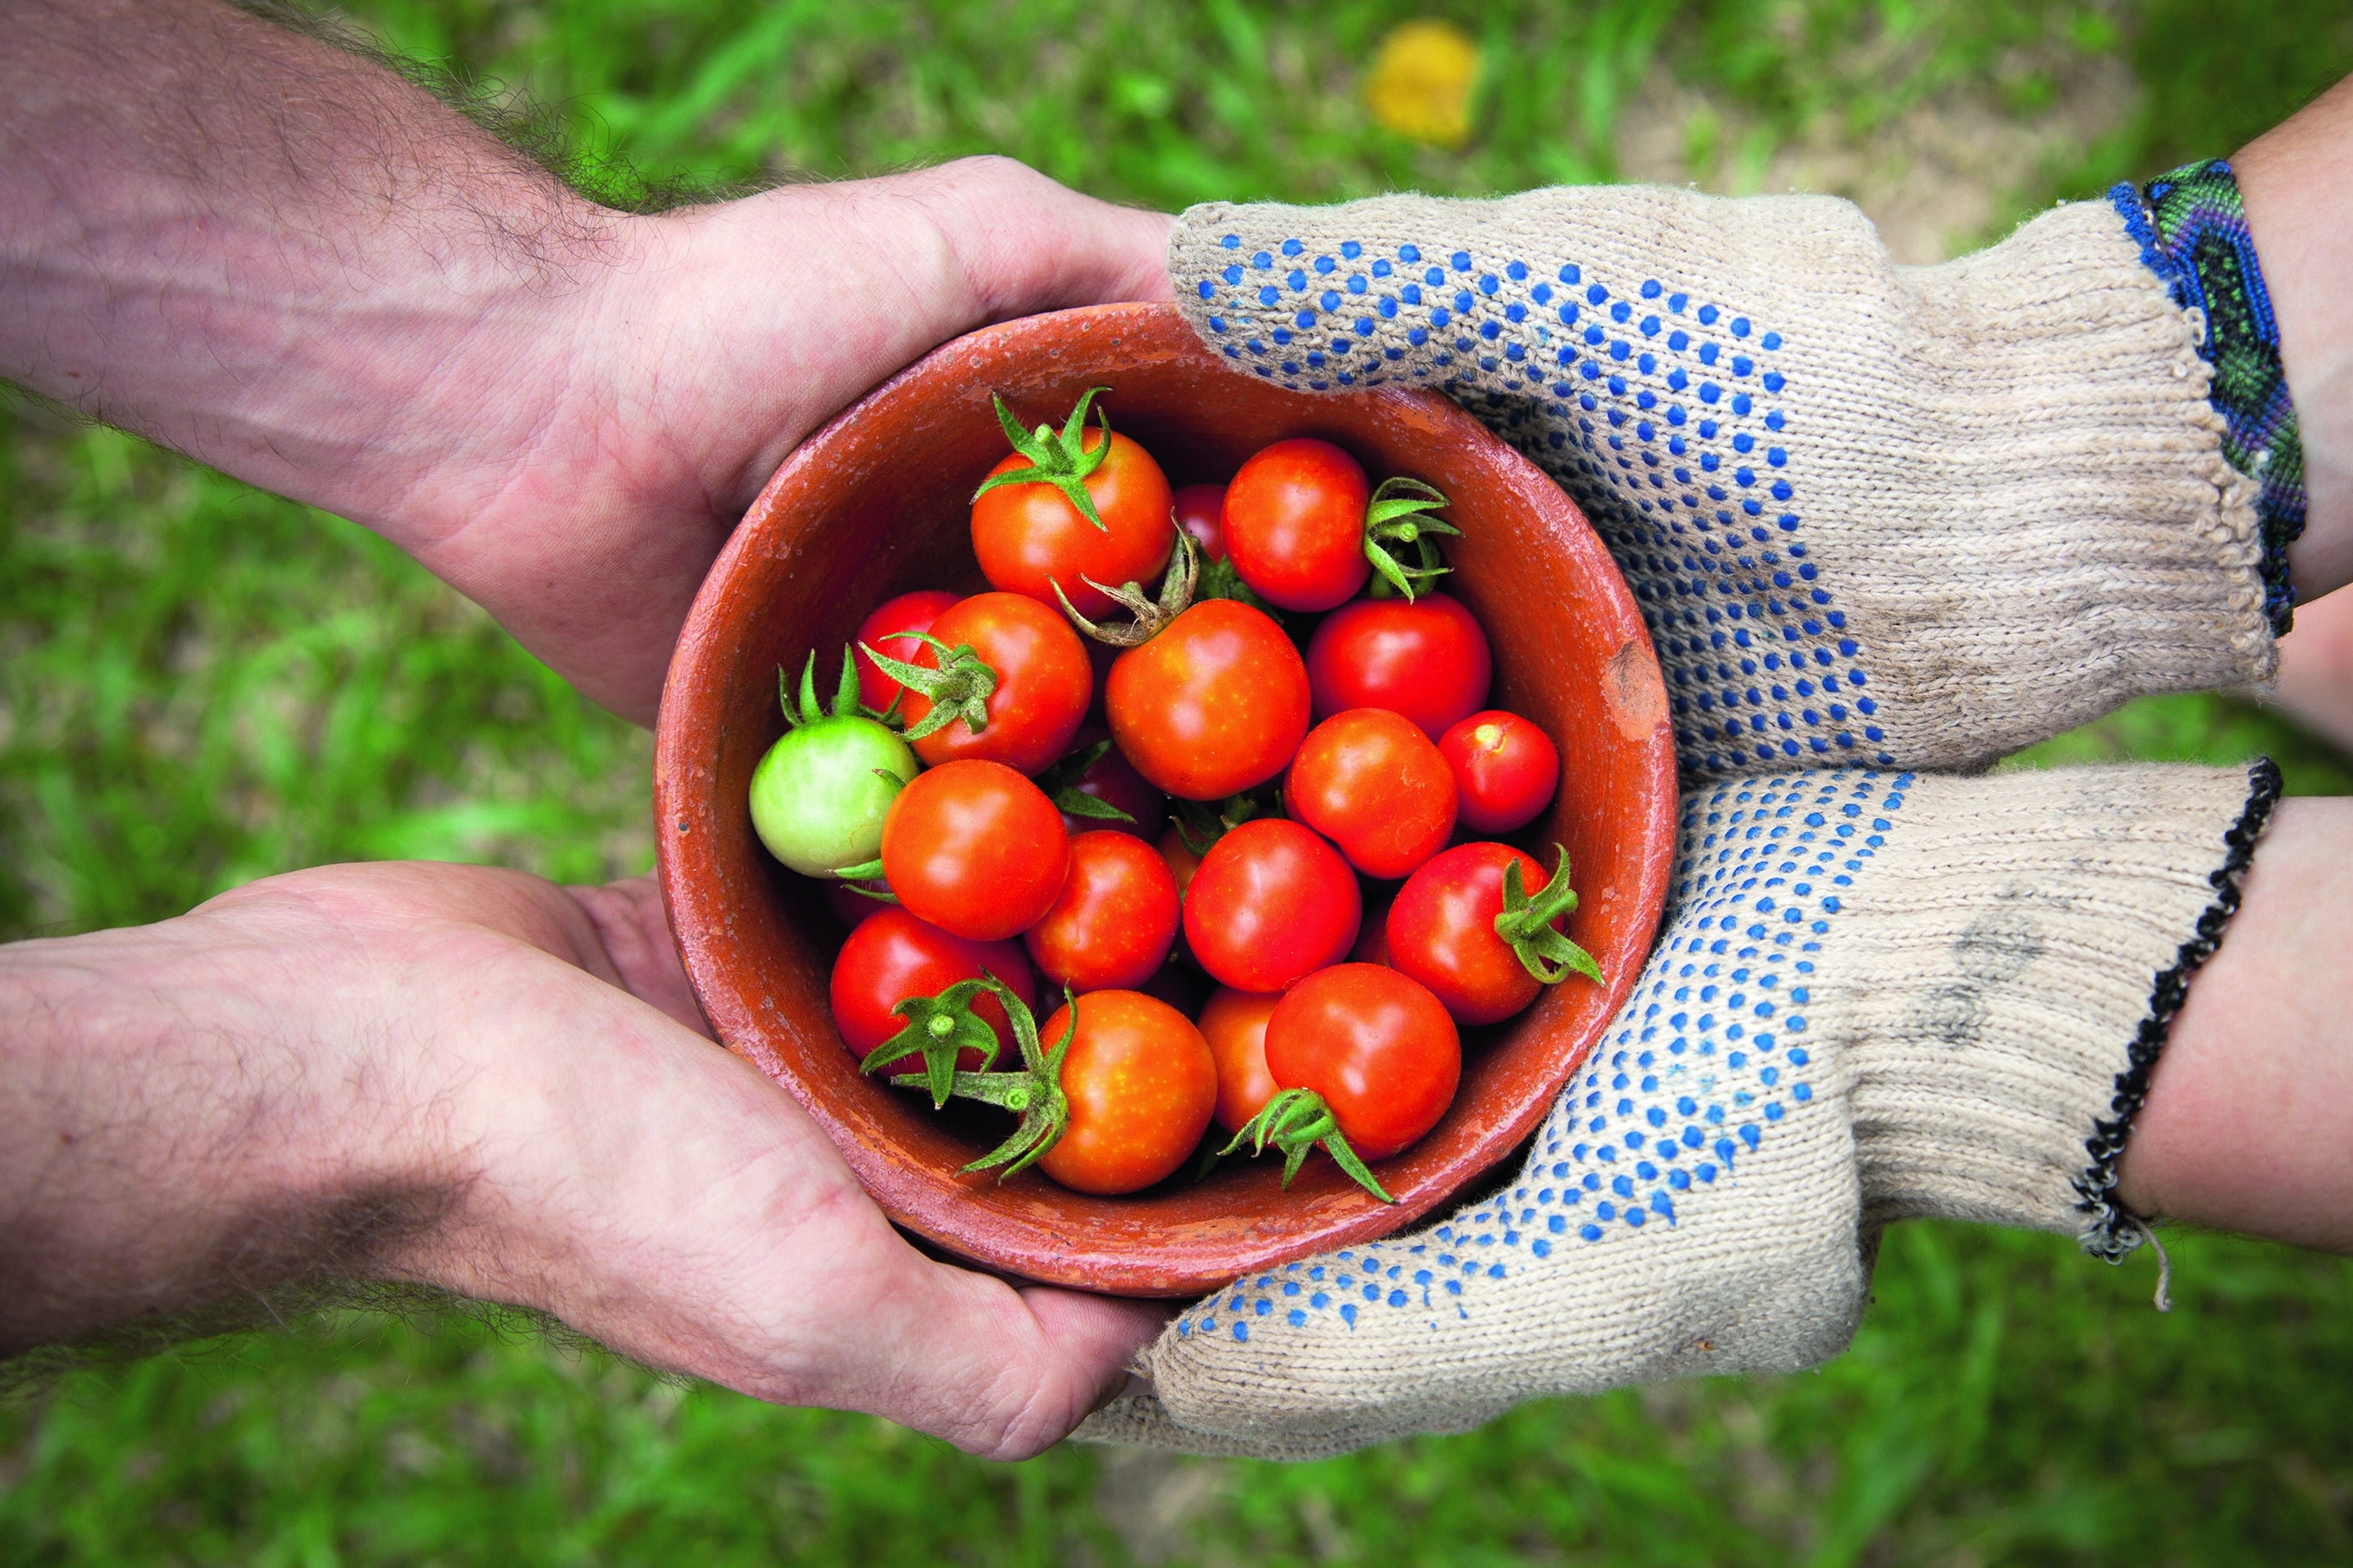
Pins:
x: 1876, y: 515
x: 1878, y: 995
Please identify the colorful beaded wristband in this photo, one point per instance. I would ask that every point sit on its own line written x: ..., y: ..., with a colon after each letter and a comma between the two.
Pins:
x: 2192, y: 229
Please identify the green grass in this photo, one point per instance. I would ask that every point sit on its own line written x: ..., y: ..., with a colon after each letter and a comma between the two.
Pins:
x: 199, y: 684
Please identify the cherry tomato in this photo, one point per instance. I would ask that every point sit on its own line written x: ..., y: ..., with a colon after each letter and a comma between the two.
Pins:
x: 1215, y: 703
x: 1441, y: 931
x: 1234, y: 1023
x: 974, y: 848
x: 893, y: 956
x: 1029, y: 536
x: 1376, y: 1045
x: 1505, y: 769
x: 1141, y: 1086
x: 1427, y: 660
x: 1111, y: 928
x: 1269, y: 903
x: 1113, y: 779
x: 1200, y: 511
x: 1043, y: 683
x: 1370, y: 782
x: 1294, y: 524
x: 912, y: 612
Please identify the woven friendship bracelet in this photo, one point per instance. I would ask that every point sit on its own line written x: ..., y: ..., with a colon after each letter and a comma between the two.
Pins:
x: 2192, y: 229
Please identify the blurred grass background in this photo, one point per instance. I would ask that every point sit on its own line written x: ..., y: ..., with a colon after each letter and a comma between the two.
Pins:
x: 200, y: 684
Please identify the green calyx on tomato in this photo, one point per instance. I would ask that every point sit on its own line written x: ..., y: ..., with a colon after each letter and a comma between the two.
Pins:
x: 1201, y: 822
x: 821, y: 795
x: 1062, y: 460
x: 1526, y: 924
x: 1061, y: 784
x: 1151, y: 618
x: 939, y: 1027
x: 959, y: 688
x: 1296, y: 1120
x: 1399, y: 519
x: 1220, y: 580
x: 1034, y: 1093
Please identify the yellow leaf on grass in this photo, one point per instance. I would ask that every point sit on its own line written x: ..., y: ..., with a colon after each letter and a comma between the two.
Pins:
x: 1421, y: 80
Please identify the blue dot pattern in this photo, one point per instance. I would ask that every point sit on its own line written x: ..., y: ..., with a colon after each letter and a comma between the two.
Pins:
x: 1707, y: 1060
x: 1660, y: 410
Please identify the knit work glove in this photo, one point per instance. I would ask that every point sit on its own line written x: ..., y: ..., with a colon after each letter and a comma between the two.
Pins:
x: 1878, y: 995
x: 1875, y: 515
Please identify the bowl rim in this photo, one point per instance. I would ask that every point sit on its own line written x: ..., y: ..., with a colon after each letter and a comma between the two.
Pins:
x: 1045, y: 1255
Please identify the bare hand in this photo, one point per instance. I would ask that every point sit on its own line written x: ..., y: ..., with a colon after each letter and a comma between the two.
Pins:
x: 475, y: 1079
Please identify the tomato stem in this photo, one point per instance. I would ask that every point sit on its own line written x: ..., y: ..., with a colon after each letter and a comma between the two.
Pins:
x: 1200, y: 824
x: 1527, y: 925
x: 1034, y: 1092
x: 1151, y: 619
x: 1296, y: 1120
x: 940, y: 1028
x: 806, y: 709
x: 1396, y: 518
x: 958, y: 687
x: 1063, y: 461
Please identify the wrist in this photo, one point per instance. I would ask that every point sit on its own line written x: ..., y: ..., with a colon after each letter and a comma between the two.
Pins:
x: 2030, y: 940
x: 184, y: 1128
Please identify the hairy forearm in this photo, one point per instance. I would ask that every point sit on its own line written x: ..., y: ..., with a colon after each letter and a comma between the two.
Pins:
x: 274, y: 255
x: 175, y: 1134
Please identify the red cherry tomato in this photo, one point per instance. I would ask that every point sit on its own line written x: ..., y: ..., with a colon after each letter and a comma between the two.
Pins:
x: 1029, y: 536
x: 1215, y: 703
x: 908, y: 613
x: 1269, y: 903
x: 1111, y: 928
x: 1234, y: 1023
x: 974, y: 848
x: 1113, y: 779
x: 1200, y: 512
x: 1043, y: 683
x: 1141, y: 1085
x: 1427, y: 660
x: 1441, y: 931
x: 893, y: 956
x: 1370, y: 782
x: 1376, y: 1045
x: 1294, y: 524
x: 1505, y: 769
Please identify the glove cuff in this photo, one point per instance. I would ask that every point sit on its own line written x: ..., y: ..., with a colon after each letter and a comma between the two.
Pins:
x: 2010, y: 976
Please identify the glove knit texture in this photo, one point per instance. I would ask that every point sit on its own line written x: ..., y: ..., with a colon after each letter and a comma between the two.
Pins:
x: 1878, y: 995
x: 1902, y: 516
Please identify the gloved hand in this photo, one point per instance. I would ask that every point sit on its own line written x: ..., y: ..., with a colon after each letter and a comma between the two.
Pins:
x: 1912, y: 518
x: 1879, y: 995
x: 1875, y: 515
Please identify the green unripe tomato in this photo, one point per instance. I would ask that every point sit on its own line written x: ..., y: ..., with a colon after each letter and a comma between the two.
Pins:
x: 819, y: 796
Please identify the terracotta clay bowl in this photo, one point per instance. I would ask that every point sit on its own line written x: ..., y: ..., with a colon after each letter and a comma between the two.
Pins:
x: 878, y: 504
